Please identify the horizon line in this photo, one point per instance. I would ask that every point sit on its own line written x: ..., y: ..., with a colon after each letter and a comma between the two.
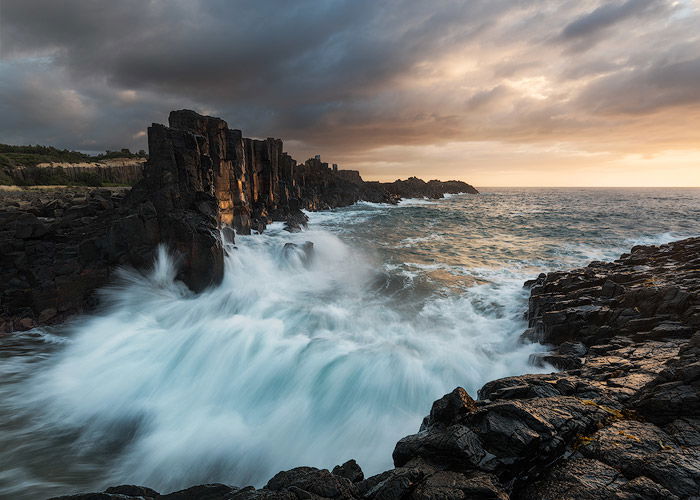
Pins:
x: 588, y: 187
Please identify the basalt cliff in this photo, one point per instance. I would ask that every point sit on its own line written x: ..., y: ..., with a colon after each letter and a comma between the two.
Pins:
x: 202, y: 182
x: 621, y: 420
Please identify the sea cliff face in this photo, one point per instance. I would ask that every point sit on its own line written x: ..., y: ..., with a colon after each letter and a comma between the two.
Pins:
x: 255, y: 182
x: 620, y: 421
x: 202, y: 180
x: 117, y: 171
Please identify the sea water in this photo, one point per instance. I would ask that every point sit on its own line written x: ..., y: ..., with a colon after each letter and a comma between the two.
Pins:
x: 303, y: 360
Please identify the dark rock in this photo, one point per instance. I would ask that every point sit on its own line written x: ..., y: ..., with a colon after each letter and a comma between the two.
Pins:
x: 214, y: 491
x: 304, y: 252
x: 641, y: 449
x: 228, y: 234
x: 305, y: 482
x: 295, y: 221
x: 586, y: 479
x: 450, y: 409
x: 349, y: 470
x: 447, y: 485
x: 394, y: 484
x: 131, y: 490
x: 94, y: 496
x: 414, y: 187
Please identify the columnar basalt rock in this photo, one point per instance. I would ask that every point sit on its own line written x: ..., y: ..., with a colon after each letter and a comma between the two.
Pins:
x: 53, y: 253
x: 255, y: 182
x: 177, y: 207
x: 115, y: 171
x: 201, y: 177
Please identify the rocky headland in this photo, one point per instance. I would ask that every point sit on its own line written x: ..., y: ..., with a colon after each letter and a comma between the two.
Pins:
x: 202, y: 182
x: 621, y: 420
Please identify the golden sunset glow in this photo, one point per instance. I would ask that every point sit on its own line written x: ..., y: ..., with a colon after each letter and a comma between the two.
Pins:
x: 586, y: 93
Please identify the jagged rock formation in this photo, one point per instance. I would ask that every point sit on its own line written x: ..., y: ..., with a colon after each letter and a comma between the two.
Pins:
x: 414, y: 187
x: 54, y: 253
x: 622, y: 421
x: 201, y: 177
x: 255, y: 182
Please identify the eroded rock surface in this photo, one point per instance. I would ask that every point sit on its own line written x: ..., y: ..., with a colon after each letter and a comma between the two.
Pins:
x: 621, y: 421
x: 201, y: 179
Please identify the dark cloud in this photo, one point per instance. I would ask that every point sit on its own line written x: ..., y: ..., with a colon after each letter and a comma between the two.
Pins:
x: 351, y: 75
x: 646, y: 89
x: 604, y: 16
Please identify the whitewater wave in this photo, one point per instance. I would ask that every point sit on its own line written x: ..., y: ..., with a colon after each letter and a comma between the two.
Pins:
x: 296, y: 361
x: 417, y: 201
x: 288, y: 362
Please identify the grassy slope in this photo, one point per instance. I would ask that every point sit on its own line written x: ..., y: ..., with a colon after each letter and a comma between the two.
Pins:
x: 28, y: 157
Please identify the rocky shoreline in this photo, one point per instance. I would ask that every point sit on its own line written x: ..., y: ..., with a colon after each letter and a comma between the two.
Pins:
x: 202, y: 182
x: 620, y: 421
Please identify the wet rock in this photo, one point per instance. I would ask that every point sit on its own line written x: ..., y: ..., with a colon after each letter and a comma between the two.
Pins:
x: 450, y: 409
x: 587, y: 479
x: 228, y: 234
x: 309, y: 482
x: 394, y: 484
x: 540, y: 386
x: 304, y: 252
x: 295, y: 221
x: 447, y: 485
x: 131, y: 490
x: 214, y: 491
x: 444, y: 446
x: 349, y: 470
x: 642, y: 449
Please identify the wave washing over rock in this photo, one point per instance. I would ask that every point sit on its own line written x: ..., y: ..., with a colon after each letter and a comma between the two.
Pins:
x: 315, y: 354
x: 201, y: 176
x: 299, y: 356
x: 620, y: 422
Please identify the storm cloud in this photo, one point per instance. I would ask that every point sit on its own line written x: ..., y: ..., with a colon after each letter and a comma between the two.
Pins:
x: 353, y: 78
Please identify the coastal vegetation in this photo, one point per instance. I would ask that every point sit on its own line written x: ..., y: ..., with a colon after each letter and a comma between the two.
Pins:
x: 33, y: 165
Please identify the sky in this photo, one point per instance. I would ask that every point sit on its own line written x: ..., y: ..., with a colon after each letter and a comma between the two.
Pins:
x: 492, y: 92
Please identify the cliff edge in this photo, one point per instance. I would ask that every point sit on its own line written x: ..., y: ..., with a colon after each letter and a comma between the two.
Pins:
x: 202, y: 179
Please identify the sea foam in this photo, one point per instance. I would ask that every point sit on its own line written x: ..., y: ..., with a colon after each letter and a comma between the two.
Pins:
x: 286, y: 363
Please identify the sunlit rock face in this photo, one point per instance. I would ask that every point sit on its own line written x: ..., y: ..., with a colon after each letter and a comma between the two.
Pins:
x: 177, y: 194
x: 255, y: 181
x: 247, y: 177
x: 201, y: 178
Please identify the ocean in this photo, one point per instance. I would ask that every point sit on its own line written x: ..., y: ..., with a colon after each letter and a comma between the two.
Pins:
x: 303, y: 359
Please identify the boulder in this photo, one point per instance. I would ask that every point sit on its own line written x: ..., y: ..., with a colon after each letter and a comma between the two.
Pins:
x: 349, y: 470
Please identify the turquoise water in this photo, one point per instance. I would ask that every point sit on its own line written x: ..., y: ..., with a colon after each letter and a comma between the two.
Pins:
x: 292, y: 362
